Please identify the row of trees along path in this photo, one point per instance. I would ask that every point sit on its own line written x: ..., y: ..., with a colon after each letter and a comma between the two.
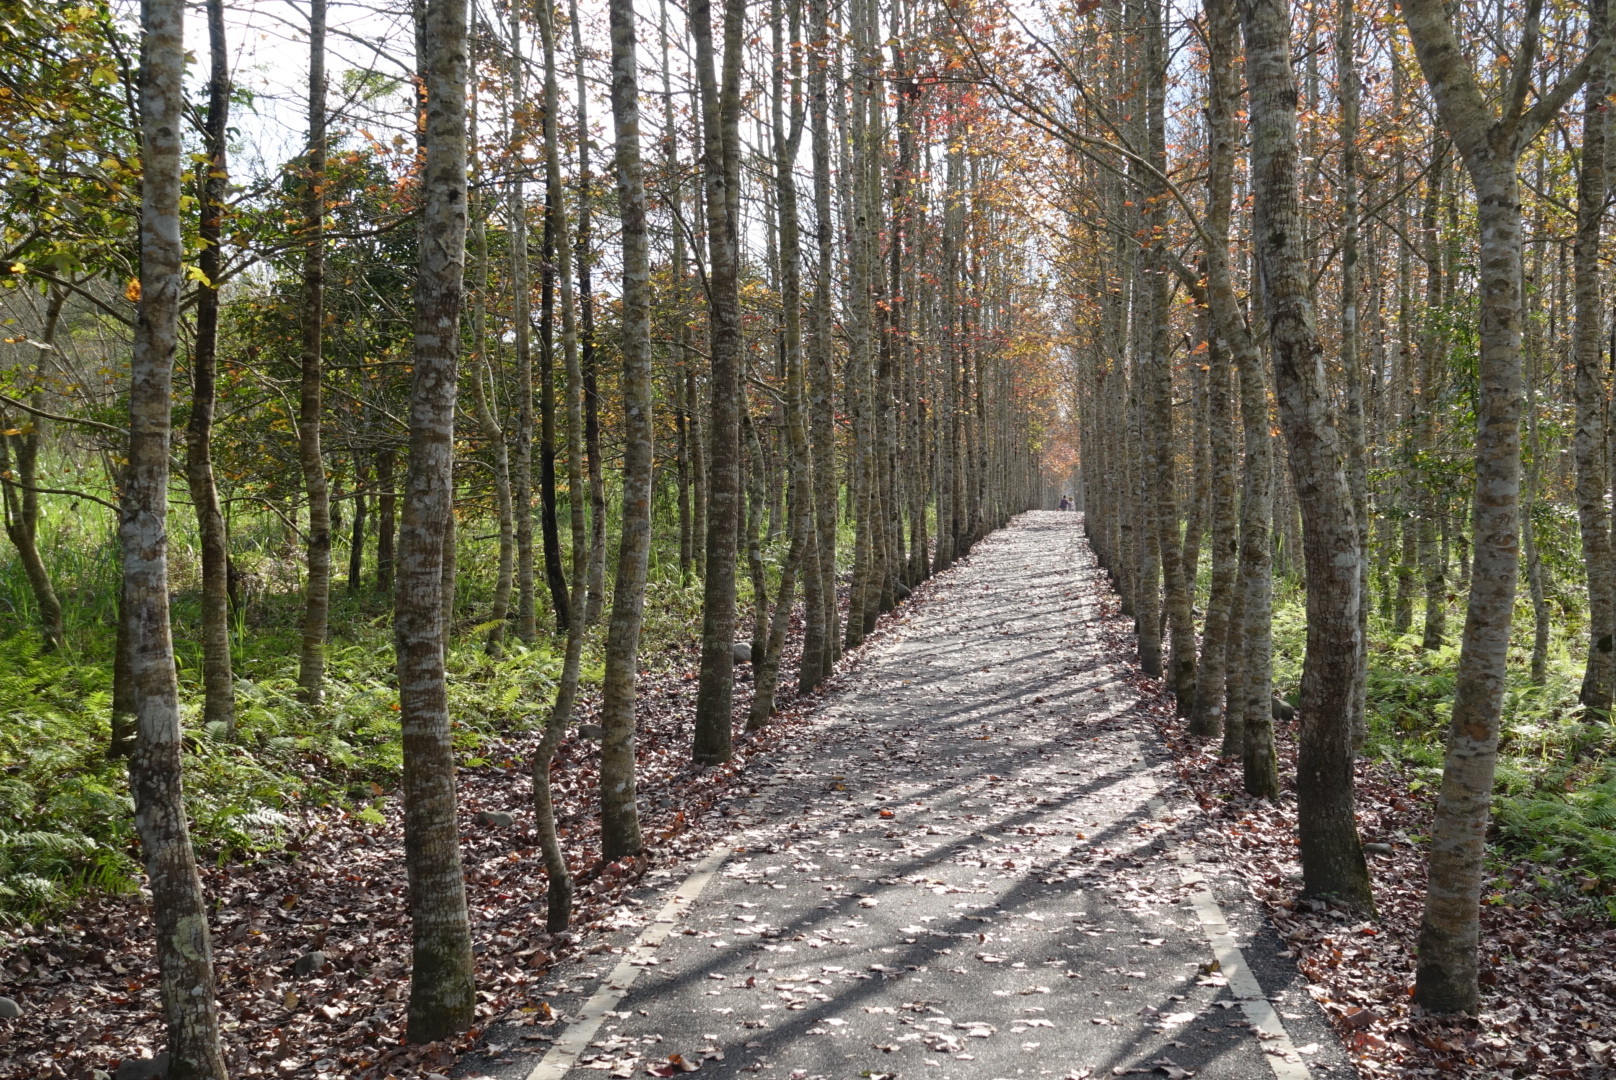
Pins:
x: 897, y: 270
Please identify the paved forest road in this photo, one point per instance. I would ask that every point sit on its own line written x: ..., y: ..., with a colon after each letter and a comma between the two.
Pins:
x: 974, y: 867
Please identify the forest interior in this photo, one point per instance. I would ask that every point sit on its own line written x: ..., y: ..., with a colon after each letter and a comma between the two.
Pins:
x: 472, y: 471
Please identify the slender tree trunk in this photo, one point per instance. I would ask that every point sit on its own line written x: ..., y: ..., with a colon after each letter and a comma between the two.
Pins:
x: 555, y: 575
x: 1156, y: 366
x: 1211, y: 672
x: 1353, y: 428
x: 595, y: 598
x: 179, y: 909
x: 527, y: 616
x: 317, y: 588
x: 721, y: 174
x: 820, y: 374
x: 21, y: 500
x: 800, y: 557
x: 559, y: 879
x: 442, y: 998
x: 1590, y: 445
x: 386, y: 517
x: 482, y: 374
x: 1332, y: 858
x: 1433, y: 356
x: 1248, y: 723
x: 356, y: 541
x: 218, y: 680
x: 620, y: 823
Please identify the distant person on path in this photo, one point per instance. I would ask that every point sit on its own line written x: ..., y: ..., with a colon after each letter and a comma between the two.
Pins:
x: 1066, y: 502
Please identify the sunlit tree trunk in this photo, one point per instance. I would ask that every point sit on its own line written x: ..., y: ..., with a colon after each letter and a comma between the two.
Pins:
x: 1332, y: 858
x: 819, y: 582
x: 799, y: 558
x: 179, y: 911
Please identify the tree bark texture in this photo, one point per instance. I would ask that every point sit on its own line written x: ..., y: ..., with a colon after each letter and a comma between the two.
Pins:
x: 721, y: 107
x: 179, y: 910
x: 442, y: 998
x: 1332, y: 857
x: 620, y: 824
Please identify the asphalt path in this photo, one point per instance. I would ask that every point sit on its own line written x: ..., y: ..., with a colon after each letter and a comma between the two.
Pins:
x: 974, y: 866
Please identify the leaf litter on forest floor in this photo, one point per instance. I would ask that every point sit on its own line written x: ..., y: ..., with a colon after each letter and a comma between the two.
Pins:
x: 88, y: 982
x: 1549, y: 1000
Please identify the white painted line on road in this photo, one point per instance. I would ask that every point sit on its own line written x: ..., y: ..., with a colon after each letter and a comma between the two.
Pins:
x: 1278, y: 1048
x: 572, y: 1043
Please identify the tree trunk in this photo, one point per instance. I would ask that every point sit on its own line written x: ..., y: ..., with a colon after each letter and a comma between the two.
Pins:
x: 555, y: 575
x: 527, y: 616
x: 1248, y: 724
x: 317, y: 588
x: 801, y: 558
x: 620, y: 823
x: 218, y: 681
x: 595, y: 595
x: 482, y: 375
x: 179, y: 909
x: 820, y: 374
x: 1332, y: 858
x: 1592, y: 394
x: 356, y: 541
x: 386, y: 517
x: 1433, y: 355
x: 21, y: 500
x: 721, y: 175
x: 442, y: 999
x: 1157, y: 368
x: 557, y: 876
x: 1354, y: 432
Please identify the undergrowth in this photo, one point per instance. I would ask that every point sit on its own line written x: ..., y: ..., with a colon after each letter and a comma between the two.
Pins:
x: 1555, y: 796
x: 66, y: 819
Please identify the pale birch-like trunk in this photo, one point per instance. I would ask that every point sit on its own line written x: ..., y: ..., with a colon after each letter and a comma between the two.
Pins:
x: 1248, y: 724
x: 800, y: 557
x: 819, y: 587
x: 1353, y: 426
x: 1158, y: 370
x: 179, y: 910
